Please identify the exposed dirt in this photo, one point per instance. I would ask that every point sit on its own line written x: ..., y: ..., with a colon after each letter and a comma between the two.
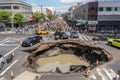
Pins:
x: 75, y: 52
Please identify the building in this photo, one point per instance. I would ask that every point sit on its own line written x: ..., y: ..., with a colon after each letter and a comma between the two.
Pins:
x: 99, y: 16
x: 15, y: 6
x: 109, y: 17
x: 86, y: 16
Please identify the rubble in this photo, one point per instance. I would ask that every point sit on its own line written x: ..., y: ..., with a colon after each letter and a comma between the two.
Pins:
x: 85, y: 52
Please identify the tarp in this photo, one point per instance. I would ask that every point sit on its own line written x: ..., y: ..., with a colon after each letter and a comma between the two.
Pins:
x: 28, y: 18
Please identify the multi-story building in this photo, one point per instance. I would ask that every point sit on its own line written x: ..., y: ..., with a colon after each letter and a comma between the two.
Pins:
x: 100, y: 16
x: 109, y: 17
x: 15, y: 6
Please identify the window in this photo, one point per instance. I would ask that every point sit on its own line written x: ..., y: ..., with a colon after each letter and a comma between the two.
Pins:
x: 16, y: 7
x: 101, y: 9
x: 115, y: 8
x: 108, y: 9
x: 5, y: 7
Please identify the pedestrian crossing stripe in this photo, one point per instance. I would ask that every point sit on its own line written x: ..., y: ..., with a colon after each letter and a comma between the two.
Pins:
x: 104, y: 73
x: 85, y: 38
x: 81, y: 38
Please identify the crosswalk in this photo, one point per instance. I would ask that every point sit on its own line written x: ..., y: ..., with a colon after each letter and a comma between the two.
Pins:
x: 84, y: 37
x: 104, y: 73
x: 9, y: 42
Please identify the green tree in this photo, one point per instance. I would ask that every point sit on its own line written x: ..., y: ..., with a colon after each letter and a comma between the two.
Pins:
x: 18, y: 18
x: 4, y: 16
x: 50, y: 16
x: 42, y: 15
x: 36, y: 16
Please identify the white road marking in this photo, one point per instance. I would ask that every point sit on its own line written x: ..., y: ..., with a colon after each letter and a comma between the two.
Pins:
x: 85, y: 38
x: 107, y: 74
x: 9, y: 45
x: 93, y: 76
x: 103, y: 78
x: 113, y: 73
x: 81, y: 38
x: 3, y: 40
x: 11, y: 51
x: 89, y: 37
x: 8, y: 68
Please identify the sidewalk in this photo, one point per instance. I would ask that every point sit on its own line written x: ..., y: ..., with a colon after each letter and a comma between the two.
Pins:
x: 8, y: 32
x: 26, y: 75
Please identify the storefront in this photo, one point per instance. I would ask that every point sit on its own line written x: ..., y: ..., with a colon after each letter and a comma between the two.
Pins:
x: 109, y: 26
x: 81, y: 24
x: 92, y: 26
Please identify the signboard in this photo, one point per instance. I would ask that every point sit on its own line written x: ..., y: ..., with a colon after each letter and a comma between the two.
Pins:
x: 92, y: 28
x: 92, y: 22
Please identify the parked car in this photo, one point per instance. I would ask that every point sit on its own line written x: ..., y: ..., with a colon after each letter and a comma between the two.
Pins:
x: 74, y: 34
x: 57, y: 35
x: 100, y: 37
x: 31, y: 41
x: 114, y: 42
x: 64, y: 35
x: 42, y: 32
x: 2, y: 61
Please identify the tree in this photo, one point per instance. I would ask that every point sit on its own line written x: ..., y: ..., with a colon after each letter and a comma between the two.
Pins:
x: 50, y: 16
x: 4, y: 16
x: 36, y: 16
x: 18, y: 18
x: 42, y: 15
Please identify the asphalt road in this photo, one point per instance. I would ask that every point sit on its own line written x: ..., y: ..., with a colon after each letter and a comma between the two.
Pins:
x: 9, y: 43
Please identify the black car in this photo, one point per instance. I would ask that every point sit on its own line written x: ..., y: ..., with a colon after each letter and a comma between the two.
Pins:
x: 100, y: 37
x: 57, y: 35
x: 31, y: 41
x: 74, y: 34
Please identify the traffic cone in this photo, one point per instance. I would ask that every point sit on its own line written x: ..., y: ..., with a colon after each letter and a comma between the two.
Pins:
x: 110, y: 57
x: 97, y: 62
x: 87, y: 72
x: 20, y: 41
x: 12, y: 74
x: 13, y: 54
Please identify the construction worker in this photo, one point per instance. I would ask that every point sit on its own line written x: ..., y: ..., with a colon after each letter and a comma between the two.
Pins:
x: 87, y: 72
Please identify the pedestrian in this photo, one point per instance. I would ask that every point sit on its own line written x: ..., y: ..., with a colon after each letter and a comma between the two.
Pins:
x: 118, y: 75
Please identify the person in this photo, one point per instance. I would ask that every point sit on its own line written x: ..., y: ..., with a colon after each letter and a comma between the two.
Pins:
x: 118, y: 75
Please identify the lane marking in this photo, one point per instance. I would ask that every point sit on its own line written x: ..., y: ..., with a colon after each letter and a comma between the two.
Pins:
x: 81, y: 38
x: 9, y: 45
x: 3, y: 40
x: 107, y: 74
x: 11, y: 51
x: 85, y: 38
x: 93, y: 76
x: 103, y: 78
x: 89, y: 38
x: 8, y: 68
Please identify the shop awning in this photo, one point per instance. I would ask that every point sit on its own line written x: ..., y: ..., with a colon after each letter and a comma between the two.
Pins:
x: 82, y: 21
x: 28, y: 18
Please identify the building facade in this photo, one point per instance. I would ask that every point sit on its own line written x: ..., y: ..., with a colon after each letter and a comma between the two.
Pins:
x: 109, y: 17
x: 15, y: 6
x: 100, y: 16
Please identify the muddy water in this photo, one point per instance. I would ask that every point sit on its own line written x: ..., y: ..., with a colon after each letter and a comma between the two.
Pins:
x: 63, y: 59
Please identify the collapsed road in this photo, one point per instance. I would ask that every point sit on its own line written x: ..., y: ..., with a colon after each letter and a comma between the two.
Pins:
x: 89, y: 56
